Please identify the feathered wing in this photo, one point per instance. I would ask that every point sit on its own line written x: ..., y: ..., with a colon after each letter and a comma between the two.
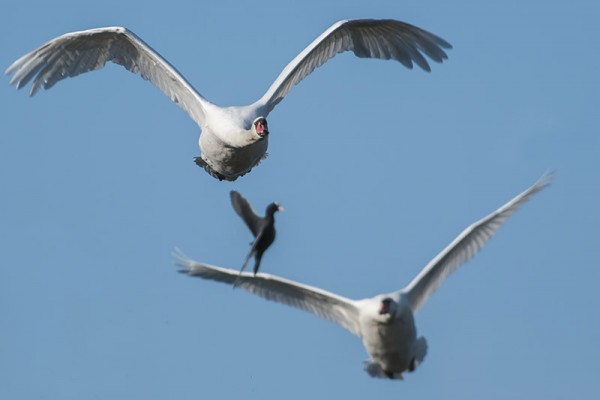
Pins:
x: 465, y: 246
x: 324, y: 304
x: 243, y: 208
x: 367, y: 38
x: 78, y: 52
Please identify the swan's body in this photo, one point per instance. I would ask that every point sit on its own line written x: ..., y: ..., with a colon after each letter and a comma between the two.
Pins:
x: 385, y: 322
x: 231, y: 144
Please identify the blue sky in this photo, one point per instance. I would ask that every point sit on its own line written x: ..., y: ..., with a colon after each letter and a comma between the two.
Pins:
x: 378, y: 168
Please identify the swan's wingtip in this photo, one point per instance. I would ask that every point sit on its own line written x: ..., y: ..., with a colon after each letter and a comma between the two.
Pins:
x: 546, y: 178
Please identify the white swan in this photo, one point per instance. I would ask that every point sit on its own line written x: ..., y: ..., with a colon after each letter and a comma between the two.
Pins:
x: 233, y: 139
x: 385, y: 323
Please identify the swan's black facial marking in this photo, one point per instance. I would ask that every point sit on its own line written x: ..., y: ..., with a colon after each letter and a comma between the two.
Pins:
x: 385, y: 306
x: 261, y: 127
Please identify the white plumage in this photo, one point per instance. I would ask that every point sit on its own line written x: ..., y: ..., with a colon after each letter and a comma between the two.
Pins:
x: 233, y: 139
x: 385, y: 323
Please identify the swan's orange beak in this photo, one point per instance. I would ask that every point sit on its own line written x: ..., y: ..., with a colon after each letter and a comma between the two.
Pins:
x: 384, y: 307
x: 261, y: 127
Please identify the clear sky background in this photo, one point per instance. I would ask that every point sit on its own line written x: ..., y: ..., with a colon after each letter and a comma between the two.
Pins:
x: 378, y: 168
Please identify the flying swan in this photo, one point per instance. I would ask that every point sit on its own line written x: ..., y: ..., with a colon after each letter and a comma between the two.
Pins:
x: 234, y: 139
x: 385, y: 323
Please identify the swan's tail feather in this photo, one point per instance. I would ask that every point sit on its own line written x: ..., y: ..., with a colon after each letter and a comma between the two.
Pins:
x: 374, y: 370
x: 420, y: 351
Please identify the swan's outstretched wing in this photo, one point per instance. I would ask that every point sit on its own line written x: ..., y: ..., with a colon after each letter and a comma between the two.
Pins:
x: 243, y: 208
x: 78, y: 52
x: 465, y: 246
x: 324, y: 304
x: 367, y: 38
